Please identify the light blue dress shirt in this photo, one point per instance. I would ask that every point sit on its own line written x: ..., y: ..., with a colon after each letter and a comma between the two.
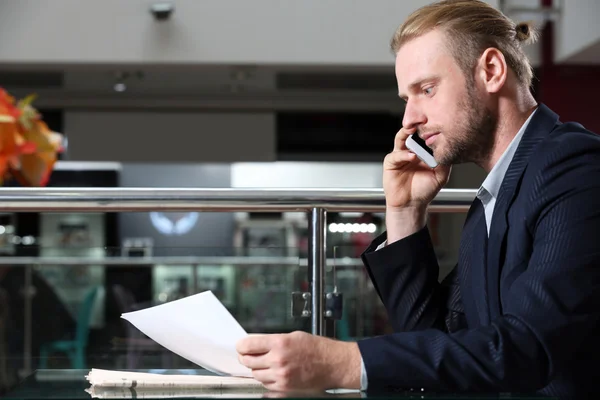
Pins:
x: 487, y: 194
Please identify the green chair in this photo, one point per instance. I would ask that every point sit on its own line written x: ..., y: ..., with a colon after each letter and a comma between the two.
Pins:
x: 75, y: 348
x: 342, y: 328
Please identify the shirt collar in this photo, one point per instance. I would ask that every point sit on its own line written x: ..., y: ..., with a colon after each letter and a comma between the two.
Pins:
x: 493, y: 181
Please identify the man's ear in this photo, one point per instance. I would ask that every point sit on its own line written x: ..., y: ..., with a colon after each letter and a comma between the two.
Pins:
x: 492, y: 70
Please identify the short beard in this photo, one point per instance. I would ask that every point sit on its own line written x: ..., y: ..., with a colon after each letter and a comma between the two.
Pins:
x: 476, y: 141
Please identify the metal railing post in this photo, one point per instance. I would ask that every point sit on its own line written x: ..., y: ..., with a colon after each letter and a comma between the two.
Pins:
x: 28, y: 315
x: 318, y: 222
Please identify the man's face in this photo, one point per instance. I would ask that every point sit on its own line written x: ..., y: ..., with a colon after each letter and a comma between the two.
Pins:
x: 446, y: 107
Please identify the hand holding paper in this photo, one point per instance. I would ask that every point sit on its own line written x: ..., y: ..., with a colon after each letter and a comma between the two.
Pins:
x: 200, y: 329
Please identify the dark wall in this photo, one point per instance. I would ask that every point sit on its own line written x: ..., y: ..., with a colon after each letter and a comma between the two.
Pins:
x: 569, y: 90
x: 212, y: 233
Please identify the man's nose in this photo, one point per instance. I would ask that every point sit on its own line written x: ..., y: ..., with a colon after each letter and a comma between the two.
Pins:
x: 413, y: 115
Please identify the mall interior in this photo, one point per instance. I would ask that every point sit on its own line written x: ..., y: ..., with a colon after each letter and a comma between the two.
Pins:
x: 230, y: 97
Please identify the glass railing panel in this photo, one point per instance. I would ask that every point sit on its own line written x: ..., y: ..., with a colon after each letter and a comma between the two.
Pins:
x: 363, y: 312
x: 60, y: 309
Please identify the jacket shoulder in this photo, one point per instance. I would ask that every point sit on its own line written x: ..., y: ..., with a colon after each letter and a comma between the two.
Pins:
x: 569, y: 143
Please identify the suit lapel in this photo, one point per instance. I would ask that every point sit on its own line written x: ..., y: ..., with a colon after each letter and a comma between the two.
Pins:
x: 541, y: 123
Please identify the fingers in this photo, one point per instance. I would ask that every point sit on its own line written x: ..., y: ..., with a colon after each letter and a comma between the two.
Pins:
x: 398, y: 157
x: 254, y: 344
x: 401, y: 136
x: 260, y: 367
x: 254, y: 362
x: 264, y: 376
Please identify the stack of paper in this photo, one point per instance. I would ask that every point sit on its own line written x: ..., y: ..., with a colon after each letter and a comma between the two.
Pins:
x: 116, y: 393
x: 180, y: 393
x: 120, y: 384
x: 123, y: 379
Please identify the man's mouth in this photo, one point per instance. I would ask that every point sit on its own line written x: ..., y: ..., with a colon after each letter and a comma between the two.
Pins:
x: 429, y: 138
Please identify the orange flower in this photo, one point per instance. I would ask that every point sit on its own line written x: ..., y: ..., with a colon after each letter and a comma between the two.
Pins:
x: 28, y: 148
x: 37, y: 165
x: 10, y: 144
x: 8, y: 111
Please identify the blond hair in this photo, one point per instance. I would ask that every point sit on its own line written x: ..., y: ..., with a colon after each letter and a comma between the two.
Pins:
x: 470, y: 27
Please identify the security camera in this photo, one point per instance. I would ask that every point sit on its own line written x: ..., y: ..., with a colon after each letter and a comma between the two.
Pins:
x: 162, y: 11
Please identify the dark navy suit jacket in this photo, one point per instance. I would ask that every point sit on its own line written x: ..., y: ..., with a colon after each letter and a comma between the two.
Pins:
x: 520, y: 312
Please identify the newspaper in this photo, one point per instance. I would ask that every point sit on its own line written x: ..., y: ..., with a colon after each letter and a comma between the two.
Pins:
x: 125, y: 379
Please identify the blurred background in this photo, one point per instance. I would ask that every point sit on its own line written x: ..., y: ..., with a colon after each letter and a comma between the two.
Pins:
x: 220, y: 94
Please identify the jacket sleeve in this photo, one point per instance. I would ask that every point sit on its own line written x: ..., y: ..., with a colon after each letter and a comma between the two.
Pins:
x: 550, y: 312
x: 405, y: 275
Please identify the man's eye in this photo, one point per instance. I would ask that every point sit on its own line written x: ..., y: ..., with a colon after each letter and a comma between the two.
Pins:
x: 428, y: 91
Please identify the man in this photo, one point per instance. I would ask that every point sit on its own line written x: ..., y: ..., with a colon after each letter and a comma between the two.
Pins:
x: 521, y: 310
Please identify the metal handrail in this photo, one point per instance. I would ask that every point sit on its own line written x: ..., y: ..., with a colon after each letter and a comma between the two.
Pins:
x: 186, y: 199
x: 317, y: 202
x: 236, y: 261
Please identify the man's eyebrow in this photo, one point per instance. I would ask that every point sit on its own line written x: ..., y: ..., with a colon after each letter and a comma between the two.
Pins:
x: 418, y: 83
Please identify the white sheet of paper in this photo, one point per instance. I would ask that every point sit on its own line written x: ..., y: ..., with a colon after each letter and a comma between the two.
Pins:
x: 198, y: 328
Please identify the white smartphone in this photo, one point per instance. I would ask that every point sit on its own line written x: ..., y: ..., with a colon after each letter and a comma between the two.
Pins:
x: 417, y: 145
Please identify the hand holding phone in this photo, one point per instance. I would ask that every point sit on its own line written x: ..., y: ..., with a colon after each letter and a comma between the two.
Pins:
x: 417, y: 145
x: 408, y: 185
